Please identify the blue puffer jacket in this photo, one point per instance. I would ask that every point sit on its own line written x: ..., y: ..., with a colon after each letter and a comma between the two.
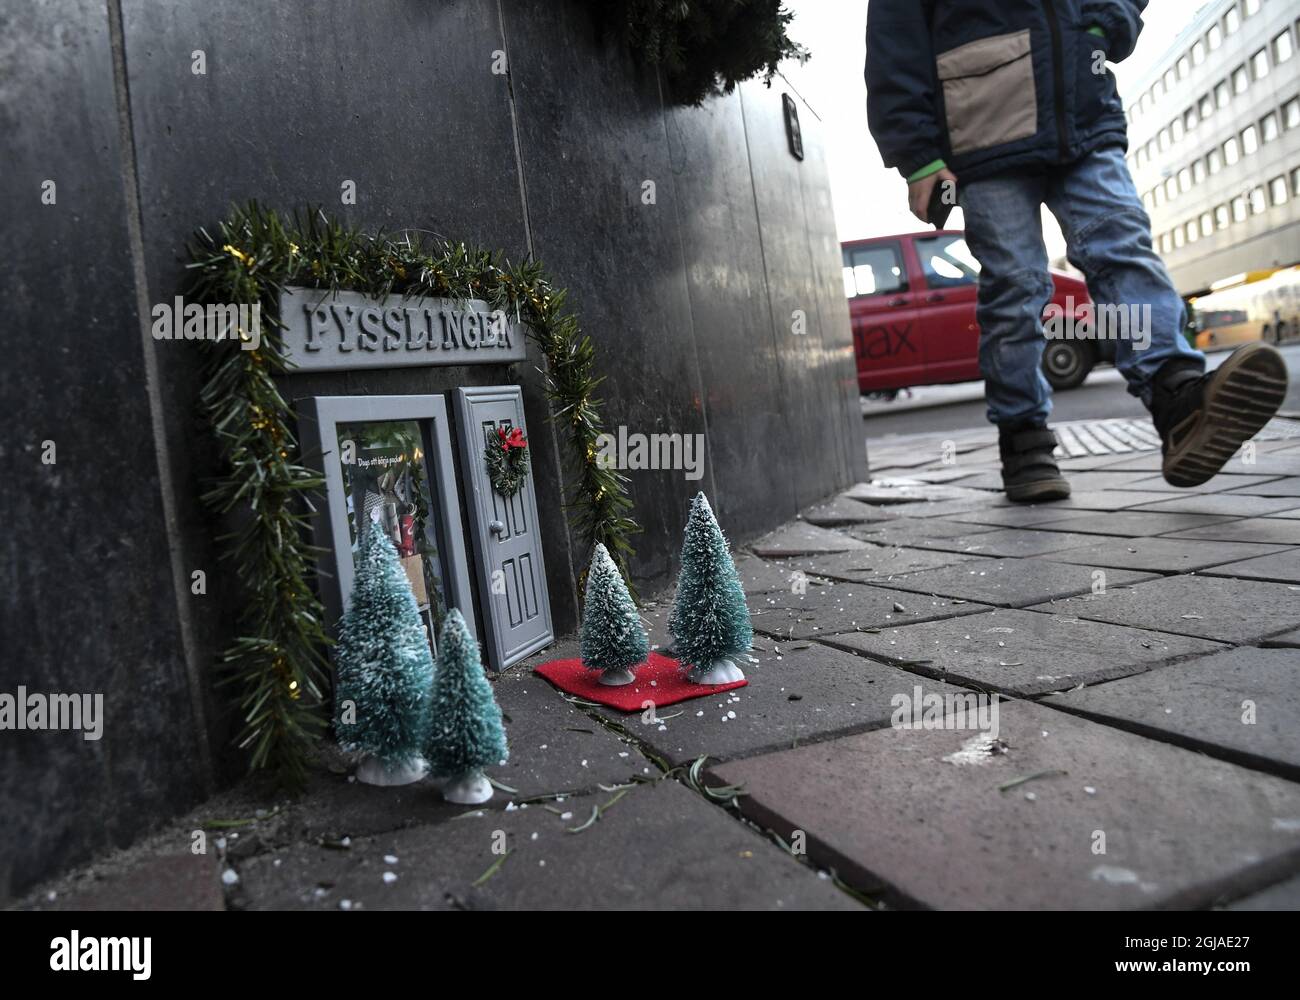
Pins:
x: 995, y: 85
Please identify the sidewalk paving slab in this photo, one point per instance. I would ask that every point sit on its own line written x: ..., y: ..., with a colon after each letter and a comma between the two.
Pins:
x: 1012, y: 582
x: 1291, y: 638
x: 759, y: 576
x: 173, y: 882
x: 873, y: 564
x: 1227, y: 504
x: 891, y: 809
x: 843, y: 510
x: 1223, y: 481
x: 1164, y: 555
x: 1283, y: 896
x: 1288, y: 487
x: 1230, y: 610
x: 799, y: 539
x: 1242, y: 705
x: 911, y: 531
x: 1281, y: 567
x: 887, y: 492
x: 660, y: 847
x: 1009, y: 542
x: 1023, y: 652
x: 798, y: 693
x: 843, y: 607
x: 1020, y: 515
x: 1267, y: 530
x: 1131, y: 522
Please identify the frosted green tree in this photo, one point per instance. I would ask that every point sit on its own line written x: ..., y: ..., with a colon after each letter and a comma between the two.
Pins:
x: 613, y: 640
x: 466, y: 734
x: 385, y: 670
x: 710, y: 619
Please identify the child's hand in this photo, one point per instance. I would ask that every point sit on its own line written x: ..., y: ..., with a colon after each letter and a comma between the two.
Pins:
x: 919, y: 192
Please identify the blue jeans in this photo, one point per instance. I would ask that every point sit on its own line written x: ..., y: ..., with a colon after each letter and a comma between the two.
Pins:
x: 1108, y: 236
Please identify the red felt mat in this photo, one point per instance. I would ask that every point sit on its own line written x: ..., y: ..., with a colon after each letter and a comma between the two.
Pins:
x: 659, y: 679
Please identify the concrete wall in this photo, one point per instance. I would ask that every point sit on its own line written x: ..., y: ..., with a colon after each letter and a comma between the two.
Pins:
x: 689, y: 299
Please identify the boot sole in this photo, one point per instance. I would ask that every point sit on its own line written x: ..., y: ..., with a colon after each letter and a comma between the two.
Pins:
x: 1044, y: 489
x: 1240, y: 398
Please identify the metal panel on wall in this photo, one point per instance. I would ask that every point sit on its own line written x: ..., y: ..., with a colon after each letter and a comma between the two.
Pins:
x: 511, y: 572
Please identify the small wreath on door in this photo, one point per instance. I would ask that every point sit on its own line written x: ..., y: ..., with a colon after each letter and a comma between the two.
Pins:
x: 506, y: 457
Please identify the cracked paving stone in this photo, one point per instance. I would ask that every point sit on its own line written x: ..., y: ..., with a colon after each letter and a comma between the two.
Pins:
x: 884, y: 491
x: 1018, y: 515
x: 1011, y: 582
x: 1223, y: 481
x: 1130, y: 522
x: 1242, y: 703
x: 1229, y: 610
x: 1022, y: 652
x: 842, y: 510
x: 1266, y: 530
x: 1288, y: 487
x: 892, y: 810
x: 758, y: 576
x: 1013, y: 542
x: 1227, y: 504
x: 912, y: 531
x: 1165, y: 555
x: 875, y: 564
x: 798, y: 692
x: 659, y: 847
x: 842, y: 607
x: 803, y: 540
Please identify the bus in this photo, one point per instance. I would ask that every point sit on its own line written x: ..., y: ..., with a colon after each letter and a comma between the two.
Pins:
x: 1257, y: 305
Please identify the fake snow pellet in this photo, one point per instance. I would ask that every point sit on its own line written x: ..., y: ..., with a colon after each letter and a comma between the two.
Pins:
x: 390, y: 878
x: 390, y: 859
x: 230, y: 877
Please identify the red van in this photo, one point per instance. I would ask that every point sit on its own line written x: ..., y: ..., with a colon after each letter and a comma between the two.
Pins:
x: 912, y: 305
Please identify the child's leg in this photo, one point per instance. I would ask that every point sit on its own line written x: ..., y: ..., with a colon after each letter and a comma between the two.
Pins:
x: 1004, y: 231
x: 1108, y: 235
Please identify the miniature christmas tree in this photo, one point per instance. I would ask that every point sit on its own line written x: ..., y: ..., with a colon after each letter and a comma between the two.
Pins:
x: 466, y: 733
x: 613, y: 640
x: 710, y: 620
x: 385, y: 670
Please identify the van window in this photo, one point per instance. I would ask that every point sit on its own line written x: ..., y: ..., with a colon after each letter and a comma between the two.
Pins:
x: 946, y: 261
x: 874, y: 270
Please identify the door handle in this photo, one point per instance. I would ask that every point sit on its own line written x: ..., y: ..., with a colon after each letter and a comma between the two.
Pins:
x: 934, y: 297
x: 496, y: 527
x: 901, y: 300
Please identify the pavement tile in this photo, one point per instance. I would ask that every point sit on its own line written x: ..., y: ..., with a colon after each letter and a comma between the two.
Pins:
x: 1018, y: 515
x: 1283, y: 896
x: 1266, y: 530
x: 1010, y: 582
x: 1108, y: 499
x: 884, y: 491
x: 798, y: 539
x: 1227, y: 610
x: 798, y: 692
x: 911, y: 531
x: 891, y: 809
x: 174, y: 882
x: 841, y: 510
x: 1282, y: 566
x: 1164, y: 555
x: 660, y: 847
x: 758, y: 576
x: 1227, y: 504
x: 1130, y: 522
x: 1291, y: 638
x: 1022, y: 652
x: 946, y: 508
x: 1215, y: 484
x: 1288, y: 487
x: 842, y: 607
x: 1204, y: 705
x: 872, y: 564
x: 1013, y: 542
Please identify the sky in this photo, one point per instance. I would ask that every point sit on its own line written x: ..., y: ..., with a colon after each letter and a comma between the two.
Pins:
x: 870, y: 200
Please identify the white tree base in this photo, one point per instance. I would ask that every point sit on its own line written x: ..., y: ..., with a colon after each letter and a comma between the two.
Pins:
x: 718, y: 672
x: 373, y: 771
x: 617, y: 678
x: 468, y: 790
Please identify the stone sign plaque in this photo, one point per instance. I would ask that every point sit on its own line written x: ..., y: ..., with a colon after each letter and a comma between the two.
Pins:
x: 339, y: 331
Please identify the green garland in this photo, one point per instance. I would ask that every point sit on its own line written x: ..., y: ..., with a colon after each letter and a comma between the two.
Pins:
x: 278, y: 661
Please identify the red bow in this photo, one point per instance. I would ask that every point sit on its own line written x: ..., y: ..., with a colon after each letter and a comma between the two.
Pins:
x: 514, y: 439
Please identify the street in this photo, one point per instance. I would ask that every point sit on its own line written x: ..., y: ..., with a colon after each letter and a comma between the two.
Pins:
x: 938, y: 408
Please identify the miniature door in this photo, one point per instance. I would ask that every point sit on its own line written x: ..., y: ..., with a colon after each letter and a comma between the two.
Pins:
x: 507, y: 545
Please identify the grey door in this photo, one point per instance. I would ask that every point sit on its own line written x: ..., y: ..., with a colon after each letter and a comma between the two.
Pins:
x: 507, y: 546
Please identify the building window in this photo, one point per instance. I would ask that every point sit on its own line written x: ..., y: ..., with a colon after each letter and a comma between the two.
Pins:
x: 1198, y: 53
x: 1231, y: 21
x: 1176, y: 130
x: 1259, y: 64
x: 1184, y: 180
x: 1198, y: 171
x: 1155, y: 197
x: 1148, y: 202
x: 1166, y: 243
x: 1215, y: 37
x: 1277, y: 190
x: 1184, y: 67
x: 1295, y: 182
x: 1240, y: 80
x: 1231, y: 154
x: 1207, y: 224
x: 1268, y: 127
x: 1221, y: 94
x: 1171, y: 77
x: 1157, y: 91
x: 1180, y: 237
x: 1291, y: 113
x: 1249, y: 140
x: 1193, y: 232
x: 1239, y: 209
x: 1214, y: 160
x: 1221, y: 217
x: 1282, y: 48
x: 1190, y: 121
x: 1171, y: 188
x: 1252, y: 7
x: 1162, y: 139
x: 1258, y: 203
x: 1206, y: 106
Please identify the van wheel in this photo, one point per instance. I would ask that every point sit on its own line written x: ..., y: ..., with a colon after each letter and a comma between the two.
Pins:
x: 1066, y: 363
